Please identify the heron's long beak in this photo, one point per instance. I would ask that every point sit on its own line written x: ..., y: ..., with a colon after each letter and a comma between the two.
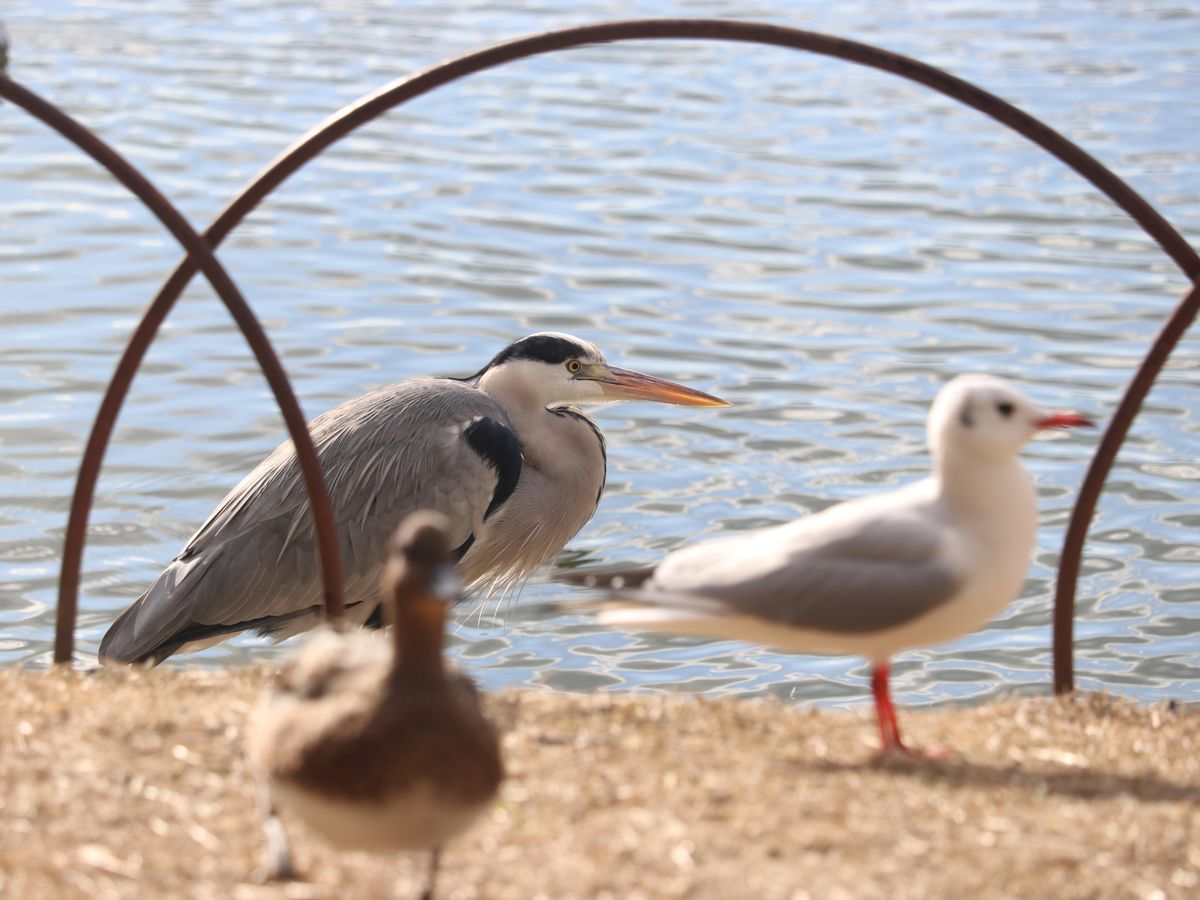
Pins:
x: 1064, y: 420
x: 623, y: 384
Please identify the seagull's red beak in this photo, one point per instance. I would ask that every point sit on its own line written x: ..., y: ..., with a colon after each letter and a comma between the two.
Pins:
x: 1064, y: 420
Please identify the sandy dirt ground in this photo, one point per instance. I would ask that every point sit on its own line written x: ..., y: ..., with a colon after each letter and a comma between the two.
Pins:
x: 133, y: 784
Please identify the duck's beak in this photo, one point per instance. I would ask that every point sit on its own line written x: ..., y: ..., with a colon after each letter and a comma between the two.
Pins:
x: 1064, y: 420
x: 446, y: 585
x: 623, y: 384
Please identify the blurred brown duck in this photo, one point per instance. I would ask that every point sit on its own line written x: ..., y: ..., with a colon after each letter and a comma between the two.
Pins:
x: 380, y: 748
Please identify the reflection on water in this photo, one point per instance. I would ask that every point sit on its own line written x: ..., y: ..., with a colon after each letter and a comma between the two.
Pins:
x: 821, y: 244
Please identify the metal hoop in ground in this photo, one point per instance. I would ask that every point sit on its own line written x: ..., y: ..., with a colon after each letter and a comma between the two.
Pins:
x: 197, y: 249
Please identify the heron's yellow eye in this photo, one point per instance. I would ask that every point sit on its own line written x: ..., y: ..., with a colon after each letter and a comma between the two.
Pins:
x: 574, y: 366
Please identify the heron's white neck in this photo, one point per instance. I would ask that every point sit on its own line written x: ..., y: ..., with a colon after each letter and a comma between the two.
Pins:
x: 561, y: 479
x: 549, y: 442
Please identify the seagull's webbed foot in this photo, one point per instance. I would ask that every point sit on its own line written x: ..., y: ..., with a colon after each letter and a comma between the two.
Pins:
x: 898, y: 751
x: 891, y: 745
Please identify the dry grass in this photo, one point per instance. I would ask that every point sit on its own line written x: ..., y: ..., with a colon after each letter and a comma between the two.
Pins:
x: 123, y: 784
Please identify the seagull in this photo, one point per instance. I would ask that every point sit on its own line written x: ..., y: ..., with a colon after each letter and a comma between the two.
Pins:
x: 875, y: 575
x: 375, y: 744
x: 505, y: 454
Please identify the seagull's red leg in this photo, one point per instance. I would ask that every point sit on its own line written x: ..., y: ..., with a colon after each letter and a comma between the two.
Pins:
x: 889, y: 728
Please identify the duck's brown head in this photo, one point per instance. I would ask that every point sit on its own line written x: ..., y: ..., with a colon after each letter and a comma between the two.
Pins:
x: 419, y: 559
x: 419, y: 582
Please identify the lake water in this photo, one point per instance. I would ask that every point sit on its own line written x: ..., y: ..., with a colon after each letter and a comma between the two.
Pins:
x: 821, y: 244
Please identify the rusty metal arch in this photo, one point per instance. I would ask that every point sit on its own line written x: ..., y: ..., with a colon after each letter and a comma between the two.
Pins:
x: 375, y: 104
x: 138, y: 185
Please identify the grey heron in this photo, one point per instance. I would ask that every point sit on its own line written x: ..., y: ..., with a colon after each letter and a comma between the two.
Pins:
x: 378, y: 745
x: 871, y: 576
x: 504, y: 454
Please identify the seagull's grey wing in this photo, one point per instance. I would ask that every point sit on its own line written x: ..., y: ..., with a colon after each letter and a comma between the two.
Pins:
x: 859, y: 570
x: 422, y: 444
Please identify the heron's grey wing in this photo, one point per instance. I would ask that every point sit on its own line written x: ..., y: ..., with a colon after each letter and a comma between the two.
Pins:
x: 862, y: 569
x: 412, y: 445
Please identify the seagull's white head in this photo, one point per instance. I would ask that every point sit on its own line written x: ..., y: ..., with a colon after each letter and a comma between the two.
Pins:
x: 554, y: 369
x: 986, y: 417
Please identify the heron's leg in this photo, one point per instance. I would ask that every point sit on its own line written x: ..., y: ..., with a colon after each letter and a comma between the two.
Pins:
x: 278, y: 858
x: 435, y: 861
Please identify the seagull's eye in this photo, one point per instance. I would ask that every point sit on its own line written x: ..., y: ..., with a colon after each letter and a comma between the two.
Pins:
x: 573, y: 366
x: 1005, y: 408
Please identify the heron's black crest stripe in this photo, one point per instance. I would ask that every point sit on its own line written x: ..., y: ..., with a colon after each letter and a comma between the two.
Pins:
x: 498, y: 447
x: 576, y: 414
x: 545, y: 348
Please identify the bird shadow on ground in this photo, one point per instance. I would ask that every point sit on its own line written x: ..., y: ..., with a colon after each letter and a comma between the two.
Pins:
x: 1061, y: 779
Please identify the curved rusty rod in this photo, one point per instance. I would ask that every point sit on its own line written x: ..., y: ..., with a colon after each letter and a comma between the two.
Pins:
x: 131, y: 178
x: 1093, y: 483
x: 374, y: 105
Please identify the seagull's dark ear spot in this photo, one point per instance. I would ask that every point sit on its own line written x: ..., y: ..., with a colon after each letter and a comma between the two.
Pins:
x: 965, y: 417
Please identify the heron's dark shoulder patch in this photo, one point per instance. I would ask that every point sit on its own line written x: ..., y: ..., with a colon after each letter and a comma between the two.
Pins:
x: 498, y: 447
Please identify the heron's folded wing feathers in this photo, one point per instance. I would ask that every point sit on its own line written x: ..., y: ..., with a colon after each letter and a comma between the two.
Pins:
x: 384, y: 455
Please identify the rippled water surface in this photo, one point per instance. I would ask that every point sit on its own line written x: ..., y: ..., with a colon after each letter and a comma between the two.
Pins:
x: 821, y: 244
